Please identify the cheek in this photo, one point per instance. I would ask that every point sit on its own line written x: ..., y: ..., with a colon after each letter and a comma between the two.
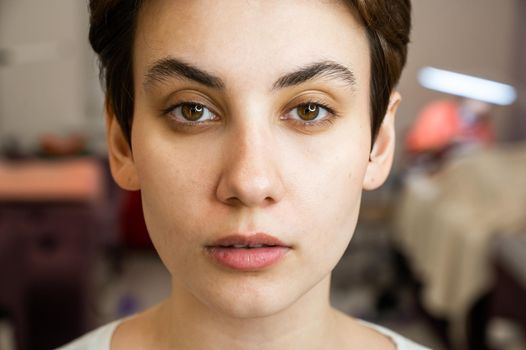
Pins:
x: 326, y: 202
x: 171, y: 178
x: 327, y: 198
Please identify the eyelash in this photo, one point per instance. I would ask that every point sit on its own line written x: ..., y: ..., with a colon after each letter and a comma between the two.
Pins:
x: 329, y: 120
x: 169, y: 110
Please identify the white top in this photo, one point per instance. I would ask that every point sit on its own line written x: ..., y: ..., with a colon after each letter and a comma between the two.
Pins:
x: 100, y: 338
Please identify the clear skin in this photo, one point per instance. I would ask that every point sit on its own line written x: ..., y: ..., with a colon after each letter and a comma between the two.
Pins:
x: 250, y: 165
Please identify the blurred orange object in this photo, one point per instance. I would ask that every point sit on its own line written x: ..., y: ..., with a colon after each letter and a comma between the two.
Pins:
x: 38, y: 180
x: 435, y: 128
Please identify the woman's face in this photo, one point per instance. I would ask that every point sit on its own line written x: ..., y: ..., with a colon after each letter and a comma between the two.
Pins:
x: 251, y: 117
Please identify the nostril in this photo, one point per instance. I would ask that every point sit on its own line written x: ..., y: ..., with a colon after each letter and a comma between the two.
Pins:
x: 269, y: 199
x: 233, y: 201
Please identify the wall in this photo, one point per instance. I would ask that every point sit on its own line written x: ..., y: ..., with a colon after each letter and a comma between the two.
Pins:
x: 47, y: 73
x: 477, y: 37
x: 518, y: 125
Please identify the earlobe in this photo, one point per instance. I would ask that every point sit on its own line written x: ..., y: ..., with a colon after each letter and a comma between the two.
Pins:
x: 120, y: 155
x: 381, y: 157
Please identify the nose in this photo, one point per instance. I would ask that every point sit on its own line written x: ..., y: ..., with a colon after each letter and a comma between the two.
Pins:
x: 250, y: 175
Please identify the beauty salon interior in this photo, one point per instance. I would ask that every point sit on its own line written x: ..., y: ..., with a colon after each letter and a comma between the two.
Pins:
x: 439, y: 251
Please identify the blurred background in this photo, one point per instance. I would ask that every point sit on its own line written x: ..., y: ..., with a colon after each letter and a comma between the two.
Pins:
x: 439, y: 252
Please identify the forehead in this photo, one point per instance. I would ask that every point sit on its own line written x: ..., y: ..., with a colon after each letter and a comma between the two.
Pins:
x: 248, y: 40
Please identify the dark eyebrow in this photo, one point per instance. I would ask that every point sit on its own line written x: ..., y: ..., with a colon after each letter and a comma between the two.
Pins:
x: 170, y: 67
x: 323, y: 69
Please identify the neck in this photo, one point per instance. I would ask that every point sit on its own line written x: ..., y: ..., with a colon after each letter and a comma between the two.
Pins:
x: 189, y: 324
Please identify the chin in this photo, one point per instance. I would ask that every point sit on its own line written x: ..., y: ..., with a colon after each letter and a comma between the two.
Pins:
x: 251, y: 299
x: 251, y: 311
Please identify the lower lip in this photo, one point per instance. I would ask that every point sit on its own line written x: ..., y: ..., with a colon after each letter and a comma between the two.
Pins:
x: 248, y: 259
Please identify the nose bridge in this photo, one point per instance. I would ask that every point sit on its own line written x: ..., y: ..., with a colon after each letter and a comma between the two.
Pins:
x: 250, y: 144
x: 250, y: 175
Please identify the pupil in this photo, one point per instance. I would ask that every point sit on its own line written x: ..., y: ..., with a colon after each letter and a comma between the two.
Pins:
x: 309, y: 111
x: 192, y: 112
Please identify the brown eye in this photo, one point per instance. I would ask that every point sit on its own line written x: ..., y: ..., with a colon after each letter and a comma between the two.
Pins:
x: 192, y: 112
x: 309, y: 111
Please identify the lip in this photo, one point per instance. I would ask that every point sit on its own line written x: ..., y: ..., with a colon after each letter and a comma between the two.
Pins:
x: 249, y: 239
x: 261, y: 251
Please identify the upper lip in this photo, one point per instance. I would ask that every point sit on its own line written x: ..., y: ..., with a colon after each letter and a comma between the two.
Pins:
x: 256, y: 239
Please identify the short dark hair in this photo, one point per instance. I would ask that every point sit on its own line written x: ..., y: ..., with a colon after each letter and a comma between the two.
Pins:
x: 112, y: 31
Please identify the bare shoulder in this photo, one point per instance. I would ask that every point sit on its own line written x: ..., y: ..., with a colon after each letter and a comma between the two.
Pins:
x: 353, y: 334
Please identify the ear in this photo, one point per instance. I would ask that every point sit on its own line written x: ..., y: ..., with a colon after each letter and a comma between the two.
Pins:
x: 381, y: 157
x: 120, y: 155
